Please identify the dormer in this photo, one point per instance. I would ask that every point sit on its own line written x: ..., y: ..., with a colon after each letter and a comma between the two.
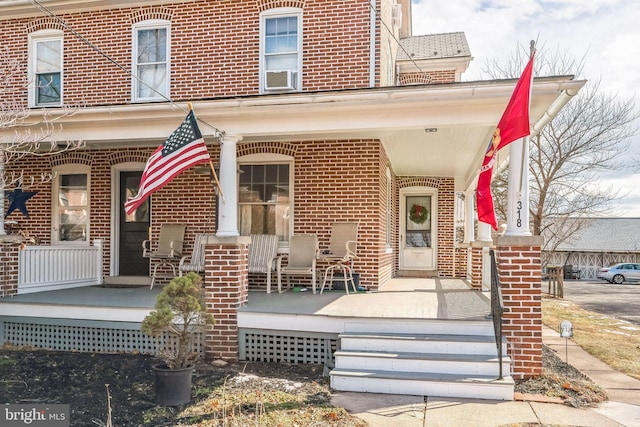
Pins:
x: 433, y: 58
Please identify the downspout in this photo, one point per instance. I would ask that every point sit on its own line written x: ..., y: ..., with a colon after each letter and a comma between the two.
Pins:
x: 372, y: 43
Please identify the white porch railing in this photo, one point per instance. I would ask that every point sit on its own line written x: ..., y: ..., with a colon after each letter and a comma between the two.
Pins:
x: 44, y: 268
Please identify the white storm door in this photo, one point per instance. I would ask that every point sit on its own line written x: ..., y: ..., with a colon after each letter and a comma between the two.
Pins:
x: 417, y: 233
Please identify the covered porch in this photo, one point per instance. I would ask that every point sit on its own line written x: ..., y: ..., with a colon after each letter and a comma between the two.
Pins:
x: 104, y: 309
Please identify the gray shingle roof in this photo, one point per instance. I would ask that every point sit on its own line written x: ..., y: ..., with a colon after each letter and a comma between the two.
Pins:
x: 434, y: 46
x: 606, y: 235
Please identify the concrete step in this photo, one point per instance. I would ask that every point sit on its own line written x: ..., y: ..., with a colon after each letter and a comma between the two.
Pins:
x: 422, y: 384
x: 425, y: 343
x: 463, y: 364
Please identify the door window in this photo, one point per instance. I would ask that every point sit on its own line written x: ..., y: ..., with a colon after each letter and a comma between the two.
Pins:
x: 418, y: 221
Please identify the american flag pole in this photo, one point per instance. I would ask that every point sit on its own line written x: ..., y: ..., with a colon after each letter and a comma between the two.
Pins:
x: 213, y: 169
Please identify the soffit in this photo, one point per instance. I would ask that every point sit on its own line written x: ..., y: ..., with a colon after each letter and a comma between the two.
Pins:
x: 430, y: 130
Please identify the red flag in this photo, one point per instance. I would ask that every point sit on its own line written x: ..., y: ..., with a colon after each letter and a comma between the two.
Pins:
x: 514, y: 124
x: 184, y: 148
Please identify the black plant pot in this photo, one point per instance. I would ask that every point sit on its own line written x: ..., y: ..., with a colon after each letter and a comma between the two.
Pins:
x: 173, y: 386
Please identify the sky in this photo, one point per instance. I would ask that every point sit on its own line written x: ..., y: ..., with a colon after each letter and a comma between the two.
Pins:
x: 605, y: 32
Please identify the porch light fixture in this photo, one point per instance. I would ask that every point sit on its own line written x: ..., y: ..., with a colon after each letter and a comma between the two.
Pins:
x: 429, y: 130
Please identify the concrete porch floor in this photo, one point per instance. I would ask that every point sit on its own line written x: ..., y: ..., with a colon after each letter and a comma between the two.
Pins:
x: 400, y: 298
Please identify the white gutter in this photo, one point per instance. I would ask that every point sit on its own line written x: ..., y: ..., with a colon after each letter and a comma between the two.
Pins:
x: 372, y: 43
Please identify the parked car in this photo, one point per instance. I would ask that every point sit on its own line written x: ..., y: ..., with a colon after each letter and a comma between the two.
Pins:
x: 620, y: 273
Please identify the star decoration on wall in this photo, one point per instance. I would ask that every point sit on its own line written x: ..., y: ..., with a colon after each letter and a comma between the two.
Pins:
x: 18, y: 199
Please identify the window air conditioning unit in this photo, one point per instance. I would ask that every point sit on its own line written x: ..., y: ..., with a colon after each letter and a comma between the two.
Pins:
x: 280, y: 80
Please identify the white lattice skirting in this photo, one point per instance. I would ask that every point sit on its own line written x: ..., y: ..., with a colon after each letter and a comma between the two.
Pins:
x: 258, y: 345
x: 83, y: 336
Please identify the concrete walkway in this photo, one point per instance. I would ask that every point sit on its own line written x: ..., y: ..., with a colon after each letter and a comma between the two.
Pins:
x: 622, y: 409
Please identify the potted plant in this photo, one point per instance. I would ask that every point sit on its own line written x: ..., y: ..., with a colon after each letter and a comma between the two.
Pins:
x: 179, y: 313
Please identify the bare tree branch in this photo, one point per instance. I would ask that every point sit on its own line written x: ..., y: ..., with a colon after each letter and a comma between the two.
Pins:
x: 588, y: 137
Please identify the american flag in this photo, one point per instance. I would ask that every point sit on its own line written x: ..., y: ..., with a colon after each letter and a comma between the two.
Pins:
x: 183, y: 149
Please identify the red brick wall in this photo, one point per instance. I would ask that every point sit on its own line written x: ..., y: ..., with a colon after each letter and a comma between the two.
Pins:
x: 333, y: 181
x: 9, y: 250
x: 518, y: 261
x: 429, y: 77
x: 188, y: 198
x: 215, y: 55
x: 476, y: 267
x: 340, y: 181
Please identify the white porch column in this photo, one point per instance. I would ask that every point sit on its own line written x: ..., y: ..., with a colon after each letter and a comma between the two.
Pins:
x: 484, y: 232
x: 518, y: 189
x: 469, y: 216
x: 469, y: 229
x: 228, y: 207
x: 486, y: 269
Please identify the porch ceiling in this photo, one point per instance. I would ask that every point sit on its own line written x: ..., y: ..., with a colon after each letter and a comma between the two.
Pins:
x: 429, y: 130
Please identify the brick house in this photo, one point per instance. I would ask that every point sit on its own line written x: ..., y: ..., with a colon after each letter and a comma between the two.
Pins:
x: 333, y: 108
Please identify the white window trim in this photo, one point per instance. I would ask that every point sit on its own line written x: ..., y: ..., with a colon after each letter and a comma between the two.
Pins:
x: 146, y: 25
x: 55, y: 217
x: 272, y: 158
x: 40, y: 36
x: 280, y: 12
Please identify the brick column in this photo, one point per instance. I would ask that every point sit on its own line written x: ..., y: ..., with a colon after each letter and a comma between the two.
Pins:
x: 518, y: 262
x: 476, y: 264
x: 9, y: 251
x: 226, y: 289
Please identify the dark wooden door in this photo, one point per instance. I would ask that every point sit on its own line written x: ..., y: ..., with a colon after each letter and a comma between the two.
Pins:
x: 134, y: 228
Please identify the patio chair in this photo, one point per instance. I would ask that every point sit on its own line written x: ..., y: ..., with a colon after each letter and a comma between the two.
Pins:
x: 303, y: 253
x: 169, y: 249
x: 263, y: 256
x: 343, y: 244
x: 195, y: 261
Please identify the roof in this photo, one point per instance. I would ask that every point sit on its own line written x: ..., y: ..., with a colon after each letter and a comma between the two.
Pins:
x: 434, y: 46
x: 606, y: 235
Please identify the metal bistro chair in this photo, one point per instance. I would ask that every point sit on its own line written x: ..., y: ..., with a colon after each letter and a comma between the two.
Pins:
x: 343, y: 244
x: 169, y: 250
x: 303, y: 253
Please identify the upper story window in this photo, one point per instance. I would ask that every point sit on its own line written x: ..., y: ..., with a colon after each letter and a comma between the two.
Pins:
x: 45, y: 68
x: 281, y: 50
x: 151, y: 53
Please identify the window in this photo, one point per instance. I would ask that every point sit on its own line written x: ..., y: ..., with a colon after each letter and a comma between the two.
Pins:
x: 46, y: 68
x: 71, y: 205
x: 151, y: 61
x: 281, y: 49
x: 265, y: 199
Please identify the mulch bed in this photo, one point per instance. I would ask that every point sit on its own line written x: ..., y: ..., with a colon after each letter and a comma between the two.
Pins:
x: 80, y: 379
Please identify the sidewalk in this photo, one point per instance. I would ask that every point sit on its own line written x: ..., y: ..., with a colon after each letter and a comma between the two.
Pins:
x: 622, y: 409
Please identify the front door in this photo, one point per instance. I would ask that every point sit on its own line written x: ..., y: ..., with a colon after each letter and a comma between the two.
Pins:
x: 418, y: 233
x: 134, y: 228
